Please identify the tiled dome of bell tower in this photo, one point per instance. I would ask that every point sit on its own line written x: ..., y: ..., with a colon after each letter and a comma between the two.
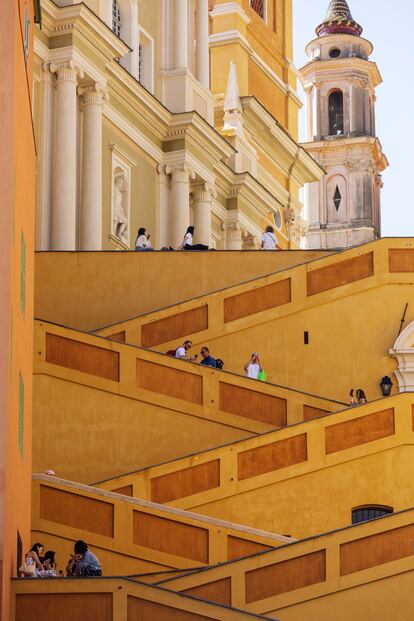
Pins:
x: 339, y: 20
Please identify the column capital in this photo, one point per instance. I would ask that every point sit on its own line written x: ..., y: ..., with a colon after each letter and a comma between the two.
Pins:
x: 359, y: 81
x: 180, y: 172
x: 94, y: 93
x: 203, y: 192
x: 66, y: 71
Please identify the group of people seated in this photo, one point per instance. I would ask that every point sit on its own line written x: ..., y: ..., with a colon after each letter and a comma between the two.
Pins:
x: 206, y: 358
x: 82, y: 563
x: 143, y: 241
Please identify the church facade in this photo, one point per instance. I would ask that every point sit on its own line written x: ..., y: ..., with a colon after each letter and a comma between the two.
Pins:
x: 129, y: 113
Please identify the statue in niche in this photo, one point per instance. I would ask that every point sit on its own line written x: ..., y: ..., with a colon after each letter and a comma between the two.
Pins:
x: 120, y: 203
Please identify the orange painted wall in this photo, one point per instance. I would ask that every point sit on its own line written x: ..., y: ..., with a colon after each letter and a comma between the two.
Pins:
x: 17, y: 163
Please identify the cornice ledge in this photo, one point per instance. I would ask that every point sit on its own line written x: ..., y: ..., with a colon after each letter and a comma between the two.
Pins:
x: 229, y: 8
x: 193, y: 126
x: 248, y: 187
x: 80, y: 19
x: 285, y: 147
x: 227, y: 38
x: 343, y: 67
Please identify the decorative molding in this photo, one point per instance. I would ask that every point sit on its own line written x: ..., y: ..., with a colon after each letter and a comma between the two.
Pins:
x: 181, y: 172
x: 122, y: 154
x: 94, y: 94
x: 403, y: 350
x: 203, y: 192
x: 66, y: 71
x: 132, y: 132
x: 230, y: 36
x: 79, y: 18
x: 229, y: 8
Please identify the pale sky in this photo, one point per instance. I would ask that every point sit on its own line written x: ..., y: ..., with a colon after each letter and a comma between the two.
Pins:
x: 390, y: 27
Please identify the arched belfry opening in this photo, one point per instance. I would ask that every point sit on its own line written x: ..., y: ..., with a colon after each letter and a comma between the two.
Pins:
x: 336, y: 113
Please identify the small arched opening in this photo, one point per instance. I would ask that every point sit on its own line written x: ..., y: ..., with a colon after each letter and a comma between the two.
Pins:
x: 369, y: 512
x: 336, y: 113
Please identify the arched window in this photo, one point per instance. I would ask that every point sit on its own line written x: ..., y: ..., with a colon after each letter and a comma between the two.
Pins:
x: 336, y: 113
x: 116, y: 18
x: 363, y: 514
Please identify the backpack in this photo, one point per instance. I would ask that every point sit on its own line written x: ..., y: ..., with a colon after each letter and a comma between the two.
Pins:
x: 171, y: 352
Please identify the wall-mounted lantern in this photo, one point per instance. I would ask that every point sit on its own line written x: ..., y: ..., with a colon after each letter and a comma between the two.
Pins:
x: 386, y: 386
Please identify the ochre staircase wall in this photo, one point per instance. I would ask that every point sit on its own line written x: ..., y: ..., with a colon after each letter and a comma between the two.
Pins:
x: 350, y: 304
x: 132, y: 536
x: 361, y: 572
x: 111, y: 599
x: 298, y: 481
x: 88, y: 290
x: 123, y: 407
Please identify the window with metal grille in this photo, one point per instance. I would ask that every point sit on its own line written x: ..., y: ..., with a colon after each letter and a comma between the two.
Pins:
x: 22, y: 273
x: 116, y: 18
x: 26, y: 34
x: 259, y: 7
x: 363, y: 514
x: 21, y: 414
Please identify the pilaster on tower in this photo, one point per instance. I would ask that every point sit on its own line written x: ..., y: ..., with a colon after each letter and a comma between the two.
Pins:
x: 340, y: 82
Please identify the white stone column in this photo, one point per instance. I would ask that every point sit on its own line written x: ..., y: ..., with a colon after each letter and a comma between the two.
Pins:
x: 180, y: 201
x: 91, y: 196
x: 202, y: 44
x: 373, y: 120
x: 367, y: 112
x: 45, y: 160
x: 233, y: 231
x: 317, y: 110
x: 63, y: 233
x: 353, y: 117
x: 162, y: 219
x: 202, y: 196
x: 180, y: 40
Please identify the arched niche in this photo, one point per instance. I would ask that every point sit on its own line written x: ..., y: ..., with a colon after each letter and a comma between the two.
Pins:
x: 403, y: 350
x: 337, y: 198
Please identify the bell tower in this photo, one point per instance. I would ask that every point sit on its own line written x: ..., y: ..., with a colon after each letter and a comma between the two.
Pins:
x: 340, y: 82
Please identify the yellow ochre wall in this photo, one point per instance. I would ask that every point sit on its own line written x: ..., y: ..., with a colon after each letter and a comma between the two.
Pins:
x: 301, y: 480
x: 308, y: 578
x: 350, y: 303
x: 104, y: 408
x: 271, y: 41
x: 89, y: 290
x: 131, y: 536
